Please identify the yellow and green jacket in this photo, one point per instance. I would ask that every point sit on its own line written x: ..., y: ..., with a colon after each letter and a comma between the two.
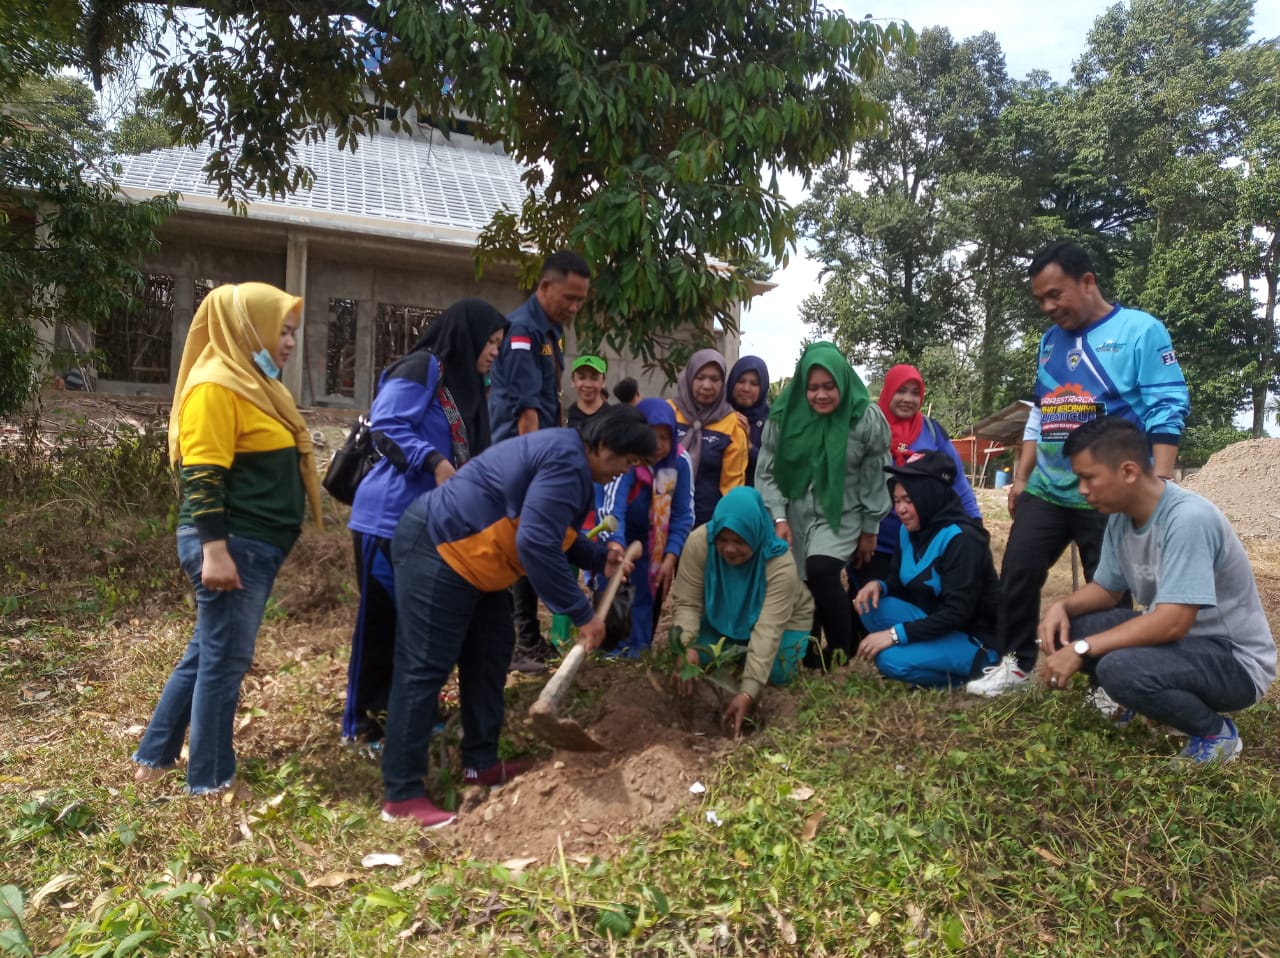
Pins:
x: 239, y: 470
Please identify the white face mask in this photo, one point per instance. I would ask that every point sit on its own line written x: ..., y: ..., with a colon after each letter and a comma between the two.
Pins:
x: 262, y: 358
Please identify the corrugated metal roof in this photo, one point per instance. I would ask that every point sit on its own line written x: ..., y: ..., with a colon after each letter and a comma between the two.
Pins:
x: 388, y: 177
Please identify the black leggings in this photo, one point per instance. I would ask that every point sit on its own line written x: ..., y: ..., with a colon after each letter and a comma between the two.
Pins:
x: 833, y: 613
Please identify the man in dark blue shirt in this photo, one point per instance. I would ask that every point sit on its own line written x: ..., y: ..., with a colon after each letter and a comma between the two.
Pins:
x: 525, y: 379
x: 524, y: 396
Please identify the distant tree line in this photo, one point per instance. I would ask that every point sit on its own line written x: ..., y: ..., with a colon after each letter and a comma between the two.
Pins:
x: 1160, y: 155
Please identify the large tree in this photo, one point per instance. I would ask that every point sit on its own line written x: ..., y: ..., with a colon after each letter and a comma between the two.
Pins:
x: 652, y: 129
x: 1180, y: 109
x: 894, y: 281
x: 69, y: 247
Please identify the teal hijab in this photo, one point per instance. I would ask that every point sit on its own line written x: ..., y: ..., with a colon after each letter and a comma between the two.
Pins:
x: 734, y: 594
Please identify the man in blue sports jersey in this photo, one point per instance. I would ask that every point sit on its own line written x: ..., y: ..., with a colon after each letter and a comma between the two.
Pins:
x: 1097, y: 359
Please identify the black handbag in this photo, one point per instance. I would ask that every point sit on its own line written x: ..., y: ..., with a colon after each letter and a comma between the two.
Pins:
x: 349, y: 465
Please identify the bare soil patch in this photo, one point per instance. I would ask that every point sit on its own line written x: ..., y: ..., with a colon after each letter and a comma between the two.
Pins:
x: 657, y: 746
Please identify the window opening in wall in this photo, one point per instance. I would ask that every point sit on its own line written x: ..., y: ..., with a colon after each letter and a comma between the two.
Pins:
x: 340, y: 362
x: 136, y: 342
x: 396, y: 330
x: 200, y: 289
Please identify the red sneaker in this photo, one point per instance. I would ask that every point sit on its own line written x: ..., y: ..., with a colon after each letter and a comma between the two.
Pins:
x: 420, y: 809
x: 499, y: 773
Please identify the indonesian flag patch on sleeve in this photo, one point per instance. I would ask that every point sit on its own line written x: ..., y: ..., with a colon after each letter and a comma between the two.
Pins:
x: 521, y: 342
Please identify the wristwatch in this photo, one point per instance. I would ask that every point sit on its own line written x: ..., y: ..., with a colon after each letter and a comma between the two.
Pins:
x: 1080, y: 647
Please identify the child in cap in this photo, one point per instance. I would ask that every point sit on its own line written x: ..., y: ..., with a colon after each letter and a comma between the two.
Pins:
x: 588, y: 383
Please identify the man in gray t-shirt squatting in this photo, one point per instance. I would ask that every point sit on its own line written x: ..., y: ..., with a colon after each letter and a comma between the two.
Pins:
x: 1202, y: 646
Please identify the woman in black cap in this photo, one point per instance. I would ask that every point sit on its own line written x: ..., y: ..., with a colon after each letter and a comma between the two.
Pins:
x: 931, y: 621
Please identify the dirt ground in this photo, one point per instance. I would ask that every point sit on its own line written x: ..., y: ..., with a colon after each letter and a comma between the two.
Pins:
x: 656, y: 748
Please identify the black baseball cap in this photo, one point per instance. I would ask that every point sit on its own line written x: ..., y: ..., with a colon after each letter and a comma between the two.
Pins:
x: 931, y: 464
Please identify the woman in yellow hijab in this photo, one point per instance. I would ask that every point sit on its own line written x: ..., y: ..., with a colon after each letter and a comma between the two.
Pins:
x: 247, y: 472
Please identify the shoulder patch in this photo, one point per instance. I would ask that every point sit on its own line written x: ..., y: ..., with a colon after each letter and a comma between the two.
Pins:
x: 521, y: 342
x: 1168, y: 358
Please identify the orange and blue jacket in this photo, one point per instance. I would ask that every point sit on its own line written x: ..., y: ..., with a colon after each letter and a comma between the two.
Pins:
x: 515, y: 510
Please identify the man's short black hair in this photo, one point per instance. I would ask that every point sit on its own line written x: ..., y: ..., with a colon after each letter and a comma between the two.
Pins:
x: 562, y: 264
x: 1111, y: 440
x: 626, y: 390
x: 1071, y: 257
x: 624, y: 429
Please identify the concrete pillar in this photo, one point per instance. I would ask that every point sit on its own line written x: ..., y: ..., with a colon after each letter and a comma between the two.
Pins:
x: 184, y: 311
x: 366, y: 374
x: 295, y: 282
x: 45, y: 300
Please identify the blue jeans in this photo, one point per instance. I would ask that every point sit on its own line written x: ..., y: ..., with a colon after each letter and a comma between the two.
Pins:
x: 204, y: 687
x: 442, y: 620
x: 938, y: 663
x: 1185, y: 684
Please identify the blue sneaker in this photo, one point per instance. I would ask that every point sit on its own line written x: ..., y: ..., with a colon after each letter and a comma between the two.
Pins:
x: 1207, y: 749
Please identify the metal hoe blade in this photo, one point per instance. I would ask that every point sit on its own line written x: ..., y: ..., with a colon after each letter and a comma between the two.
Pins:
x: 544, y: 714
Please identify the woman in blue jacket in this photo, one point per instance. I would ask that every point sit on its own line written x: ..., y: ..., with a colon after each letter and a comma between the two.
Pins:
x: 933, y: 616
x: 513, y: 510
x: 653, y: 504
x: 430, y: 416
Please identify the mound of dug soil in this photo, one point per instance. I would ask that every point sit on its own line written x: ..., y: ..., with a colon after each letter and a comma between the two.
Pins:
x: 1243, y: 481
x: 657, y: 745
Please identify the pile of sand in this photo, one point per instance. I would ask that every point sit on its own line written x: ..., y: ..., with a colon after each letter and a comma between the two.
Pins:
x: 1243, y: 481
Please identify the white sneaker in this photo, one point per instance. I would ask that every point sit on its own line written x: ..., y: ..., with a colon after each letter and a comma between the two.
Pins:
x: 1004, y: 676
x: 1109, y: 708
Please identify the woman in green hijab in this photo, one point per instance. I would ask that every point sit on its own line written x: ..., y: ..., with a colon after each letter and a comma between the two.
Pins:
x: 735, y: 582
x: 820, y: 473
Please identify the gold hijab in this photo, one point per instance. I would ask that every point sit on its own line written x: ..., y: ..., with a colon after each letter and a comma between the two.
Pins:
x: 231, y: 325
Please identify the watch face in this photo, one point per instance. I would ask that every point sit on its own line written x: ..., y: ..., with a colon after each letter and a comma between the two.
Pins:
x: 1081, y: 647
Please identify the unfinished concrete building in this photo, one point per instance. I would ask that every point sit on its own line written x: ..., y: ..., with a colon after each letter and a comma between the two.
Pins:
x: 381, y: 243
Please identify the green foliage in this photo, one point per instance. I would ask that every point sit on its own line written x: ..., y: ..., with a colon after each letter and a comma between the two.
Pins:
x: 52, y: 814
x: 653, y: 132
x: 70, y: 249
x: 1159, y: 156
x: 13, y: 937
x: 145, y: 127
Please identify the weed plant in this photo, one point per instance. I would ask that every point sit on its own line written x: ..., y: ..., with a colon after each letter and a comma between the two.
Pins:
x: 84, y: 507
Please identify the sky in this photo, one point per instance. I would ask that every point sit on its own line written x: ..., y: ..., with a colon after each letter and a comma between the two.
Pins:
x: 771, y: 327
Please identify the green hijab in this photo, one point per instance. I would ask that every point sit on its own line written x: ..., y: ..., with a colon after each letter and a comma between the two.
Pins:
x: 811, y: 448
x: 734, y: 594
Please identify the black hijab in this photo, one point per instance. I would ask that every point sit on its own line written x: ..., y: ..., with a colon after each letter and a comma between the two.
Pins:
x: 929, y: 479
x: 456, y: 337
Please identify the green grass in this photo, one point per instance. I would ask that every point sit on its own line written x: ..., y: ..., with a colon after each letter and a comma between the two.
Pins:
x: 1021, y: 827
x: 936, y: 825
